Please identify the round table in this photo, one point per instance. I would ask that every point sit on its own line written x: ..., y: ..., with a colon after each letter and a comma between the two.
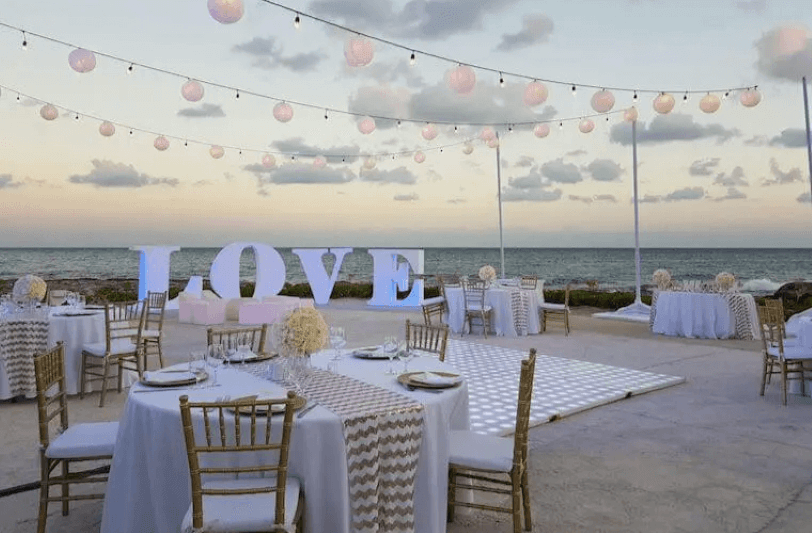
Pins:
x: 506, y: 319
x: 75, y: 330
x: 149, y: 487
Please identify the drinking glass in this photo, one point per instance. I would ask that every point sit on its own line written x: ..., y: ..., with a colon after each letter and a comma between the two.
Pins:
x: 194, y: 361
x: 338, y: 339
x: 215, y: 357
x: 390, y: 348
x: 406, y: 356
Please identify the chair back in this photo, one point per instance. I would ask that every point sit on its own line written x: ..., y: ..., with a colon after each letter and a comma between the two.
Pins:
x: 771, y: 321
x: 777, y: 305
x: 221, y: 436
x: 155, y: 304
x: 523, y: 410
x: 433, y: 310
x: 427, y: 338
x: 230, y: 338
x: 123, y: 321
x: 448, y: 281
x: 56, y: 297
x: 474, y: 293
x: 528, y: 282
x: 49, y: 371
x: 567, y: 295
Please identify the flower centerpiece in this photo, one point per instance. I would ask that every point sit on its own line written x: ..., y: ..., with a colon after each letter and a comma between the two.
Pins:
x: 725, y: 281
x: 662, y: 278
x: 487, y: 273
x: 29, y: 289
x: 304, y: 331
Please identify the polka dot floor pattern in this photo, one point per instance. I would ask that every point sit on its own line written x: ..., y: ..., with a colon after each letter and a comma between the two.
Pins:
x: 562, y: 386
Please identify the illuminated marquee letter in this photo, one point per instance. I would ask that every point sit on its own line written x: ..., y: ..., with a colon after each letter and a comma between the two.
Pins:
x: 387, y: 276
x: 225, y: 270
x: 153, y: 269
x: 320, y: 285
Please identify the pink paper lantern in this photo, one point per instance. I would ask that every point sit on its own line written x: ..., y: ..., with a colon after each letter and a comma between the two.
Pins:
x: 461, y: 79
x: 586, y: 126
x: 541, y: 131
x: 791, y: 40
x: 282, y: 112
x: 493, y: 142
x: 82, y: 60
x: 535, y: 93
x: 664, y: 103
x: 631, y: 115
x: 603, y: 101
x: 710, y: 103
x: 192, y: 91
x: 107, y: 129
x: 429, y: 132
x: 48, y: 112
x: 268, y: 161
x: 367, y: 126
x: 359, y: 52
x: 319, y: 162
x: 487, y: 134
x: 750, y: 98
x: 226, y: 11
x: 419, y: 157
x: 369, y: 163
x: 217, y: 152
x: 161, y: 143
x: 468, y: 148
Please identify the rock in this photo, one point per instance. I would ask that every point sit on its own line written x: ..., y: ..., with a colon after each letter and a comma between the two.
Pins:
x: 794, y: 291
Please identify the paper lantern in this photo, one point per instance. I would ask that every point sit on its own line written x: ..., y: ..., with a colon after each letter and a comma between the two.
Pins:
x: 535, y: 93
x: 82, y: 60
x: 282, y: 112
x: 225, y: 11
x: 367, y: 126
x: 369, y: 163
x: 319, y: 162
x: 217, y: 152
x: 603, y: 101
x: 664, y: 103
x: 541, y: 131
x: 359, y: 52
x: 468, y: 148
x: 493, y: 142
x: 710, y: 103
x: 750, y: 98
x: 192, y: 91
x: 161, y: 143
x: 48, y: 112
x: 487, y: 134
x: 429, y: 132
x: 586, y: 125
x: 268, y: 161
x: 791, y: 40
x: 419, y: 157
x: 630, y: 115
x: 107, y: 129
x: 461, y: 79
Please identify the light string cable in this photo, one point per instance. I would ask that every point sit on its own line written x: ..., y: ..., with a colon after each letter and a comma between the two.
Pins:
x: 500, y: 72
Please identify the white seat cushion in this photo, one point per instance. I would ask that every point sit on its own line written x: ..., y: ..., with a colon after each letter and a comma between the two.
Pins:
x: 481, y: 451
x: 243, y: 512
x: 553, y: 307
x: 84, y: 440
x: 150, y: 333
x: 792, y: 352
x: 435, y: 300
x: 117, y: 347
x: 475, y: 307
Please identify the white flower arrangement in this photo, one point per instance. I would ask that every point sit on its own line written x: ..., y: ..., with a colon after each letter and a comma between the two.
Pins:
x: 662, y: 278
x: 304, y: 331
x: 30, y: 288
x: 725, y: 281
x: 487, y: 273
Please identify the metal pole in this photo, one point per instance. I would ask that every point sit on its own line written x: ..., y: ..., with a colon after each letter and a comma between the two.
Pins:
x: 808, y: 138
x: 499, y: 196
x: 637, y: 299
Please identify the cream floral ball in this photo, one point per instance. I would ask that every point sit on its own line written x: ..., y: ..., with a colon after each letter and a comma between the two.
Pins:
x: 29, y: 287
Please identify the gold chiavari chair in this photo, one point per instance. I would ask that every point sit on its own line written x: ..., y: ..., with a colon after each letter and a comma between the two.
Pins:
x: 528, y: 282
x: 551, y: 312
x: 230, y: 338
x: 427, y: 338
x: 433, y: 312
x: 65, y: 444
x: 475, y: 308
x: 485, y: 460
x: 789, y: 361
x: 152, y: 336
x: 235, y: 498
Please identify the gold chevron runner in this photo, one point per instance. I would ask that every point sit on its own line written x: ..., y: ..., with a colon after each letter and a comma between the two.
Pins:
x: 20, y: 339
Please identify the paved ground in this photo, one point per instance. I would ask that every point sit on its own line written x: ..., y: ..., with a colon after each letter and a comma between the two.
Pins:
x: 708, y: 456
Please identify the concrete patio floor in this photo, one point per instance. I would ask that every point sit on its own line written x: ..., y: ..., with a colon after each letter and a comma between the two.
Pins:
x: 709, y: 455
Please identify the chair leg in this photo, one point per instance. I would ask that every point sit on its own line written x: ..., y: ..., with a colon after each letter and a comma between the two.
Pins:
x: 65, y: 488
x: 43, y: 494
x: 104, y: 381
x: 566, y: 323
x: 82, y: 378
x: 766, y: 367
x: 528, y: 522
x: 485, y: 325
x: 452, y: 494
x: 516, y: 502
x: 783, y: 383
x: 120, y: 377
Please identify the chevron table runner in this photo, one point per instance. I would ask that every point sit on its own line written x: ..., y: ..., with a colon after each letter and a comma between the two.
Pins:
x: 19, y: 340
x: 519, y: 302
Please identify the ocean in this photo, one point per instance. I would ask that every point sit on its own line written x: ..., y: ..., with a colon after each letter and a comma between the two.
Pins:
x: 760, y: 269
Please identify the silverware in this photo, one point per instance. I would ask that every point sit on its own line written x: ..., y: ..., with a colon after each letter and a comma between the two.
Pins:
x: 165, y: 389
x: 306, y: 409
x: 433, y: 391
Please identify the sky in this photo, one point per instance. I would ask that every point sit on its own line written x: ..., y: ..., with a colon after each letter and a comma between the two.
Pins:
x: 735, y: 178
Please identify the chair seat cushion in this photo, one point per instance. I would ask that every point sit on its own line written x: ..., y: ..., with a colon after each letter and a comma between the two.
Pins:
x: 432, y: 301
x: 792, y: 352
x: 243, y: 512
x: 473, y: 450
x: 552, y: 307
x: 150, y: 333
x: 475, y: 307
x: 84, y: 440
x: 117, y: 347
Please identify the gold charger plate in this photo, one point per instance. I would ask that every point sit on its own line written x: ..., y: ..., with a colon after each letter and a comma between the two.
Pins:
x: 406, y: 379
x: 370, y: 352
x: 199, y: 375
x: 278, y: 409
x: 257, y: 359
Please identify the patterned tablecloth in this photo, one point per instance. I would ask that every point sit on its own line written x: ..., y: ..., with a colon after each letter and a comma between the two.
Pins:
x: 20, y: 339
x: 742, y: 308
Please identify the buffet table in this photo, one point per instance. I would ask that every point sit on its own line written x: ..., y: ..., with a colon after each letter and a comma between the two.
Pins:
x: 515, y: 311
x: 149, y: 487
x: 704, y: 315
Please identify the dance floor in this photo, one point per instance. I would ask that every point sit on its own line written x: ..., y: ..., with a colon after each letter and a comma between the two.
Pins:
x: 562, y: 386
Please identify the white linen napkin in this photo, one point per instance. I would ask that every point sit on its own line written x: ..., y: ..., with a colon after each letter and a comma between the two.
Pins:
x: 430, y: 378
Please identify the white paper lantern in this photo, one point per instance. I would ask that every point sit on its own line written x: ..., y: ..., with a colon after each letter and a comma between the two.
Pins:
x: 487, y: 134
x: 359, y: 51
x: 48, y: 112
x: 429, y: 132
x: 369, y: 163
x: 226, y: 11
x: 192, y: 91
x: 268, y: 161
x: 750, y: 98
x: 493, y: 142
x: 161, y: 143
x: 107, y: 129
x: 664, y: 103
x: 631, y: 115
x: 319, y: 162
x: 603, y: 101
x: 541, y: 131
x: 367, y: 126
x: 282, y: 112
x: 468, y: 148
x: 82, y: 60
x: 586, y: 125
x: 535, y: 93
x: 710, y: 103
x: 217, y: 152
x: 461, y: 79
x: 419, y: 157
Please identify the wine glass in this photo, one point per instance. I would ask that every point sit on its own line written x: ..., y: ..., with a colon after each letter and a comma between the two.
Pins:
x: 215, y: 357
x: 338, y: 339
x: 390, y: 348
x: 406, y: 356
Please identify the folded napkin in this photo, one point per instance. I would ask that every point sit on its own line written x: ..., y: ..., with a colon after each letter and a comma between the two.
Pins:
x: 430, y: 378
x: 165, y: 377
x: 241, y: 356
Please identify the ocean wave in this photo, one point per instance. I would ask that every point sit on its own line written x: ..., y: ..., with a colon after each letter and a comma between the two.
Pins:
x: 761, y: 285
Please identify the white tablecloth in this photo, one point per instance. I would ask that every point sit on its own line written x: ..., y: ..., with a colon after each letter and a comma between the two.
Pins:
x: 704, y: 315
x: 149, y: 488
x: 510, y: 317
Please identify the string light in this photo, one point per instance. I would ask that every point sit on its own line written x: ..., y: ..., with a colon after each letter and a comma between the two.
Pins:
x: 25, y: 42
x: 634, y: 98
x: 238, y: 94
x: 574, y: 89
x: 186, y: 143
x: 77, y: 116
x: 325, y: 115
x: 685, y: 98
x: 727, y: 93
x: 297, y: 22
x: 412, y: 59
x: 456, y: 130
x: 561, y: 125
x: 501, y: 80
x: 130, y: 69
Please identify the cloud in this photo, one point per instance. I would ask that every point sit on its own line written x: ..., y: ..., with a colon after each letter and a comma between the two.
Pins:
x: 779, y: 177
x: 732, y: 194
x: 605, y: 198
x: 735, y: 179
x: 671, y: 127
x: 525, y: 161
x: 785, y: 53
x: 688, y: 193
x: 752, y: 6
x: 535, y: 29
x: 334, y: 154
x: 201, y: 183
x: 757, y: 140
x: 704, y: 167
x: 604, y: 170
x: 204, y: 111
x: 380, y: 101
x: 531, y: 195
x: 386, y: 73
x: 406, y: 197
x: 594, y: 198
x: 805, y: 198
x: 396, y: 175
x: 299, y: 173
x: 456, y: 200
x: 649, y: 199
x: 790, y: 138
x: 267, y: 55
x: 576, y: 153
x: 560, y: 172
x: 108, y: 174
x: 7, y: 182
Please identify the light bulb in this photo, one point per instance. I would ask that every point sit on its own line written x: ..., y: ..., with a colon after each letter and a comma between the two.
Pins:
x: 130, y: 69
x: 561, y: 125
x: 456, y: 130
x: 727, y: 93
x: 412, y: 59
x: 238, y: 94
x: 297, y: 22
x: 685, y: 98
x: 573, y: 90
x: 25, y: 42
x: 501, y: 80
x: 325, y: 115
x: 398, y: 123
x: 634, y: 98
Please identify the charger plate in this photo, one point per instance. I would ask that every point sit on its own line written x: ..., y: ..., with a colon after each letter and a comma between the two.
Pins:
x: 255, y: 359
x: 277, y: 409
x: 370, y: 352
x: 408, y: 379
x: 182, y: 378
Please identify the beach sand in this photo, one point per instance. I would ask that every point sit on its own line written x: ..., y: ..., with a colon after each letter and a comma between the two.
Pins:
x: 709, y: 455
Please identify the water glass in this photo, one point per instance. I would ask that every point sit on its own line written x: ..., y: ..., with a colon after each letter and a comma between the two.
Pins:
x: 390, y: 348
x: 406, y: 356
x: 214, y: 360
x: 338, y: 339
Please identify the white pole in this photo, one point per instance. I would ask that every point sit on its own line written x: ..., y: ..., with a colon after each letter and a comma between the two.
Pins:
x: 637, y: 291
x: 808, y: 138
x: 499, y: 197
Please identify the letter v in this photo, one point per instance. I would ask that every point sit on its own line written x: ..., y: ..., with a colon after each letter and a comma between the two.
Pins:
x: 320, y: 284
